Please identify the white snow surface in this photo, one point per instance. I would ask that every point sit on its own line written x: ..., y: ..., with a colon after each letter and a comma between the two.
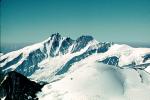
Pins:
x: 90, y: 80
x: 147, y: 69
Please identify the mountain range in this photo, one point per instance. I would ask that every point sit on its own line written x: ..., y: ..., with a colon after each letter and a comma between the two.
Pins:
x: 61, y: 68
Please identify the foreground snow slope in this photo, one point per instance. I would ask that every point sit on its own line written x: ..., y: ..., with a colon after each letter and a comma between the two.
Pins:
x: 97, y: 81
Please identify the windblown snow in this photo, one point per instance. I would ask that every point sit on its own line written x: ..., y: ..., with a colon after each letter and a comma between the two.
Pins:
x: 83, y: 69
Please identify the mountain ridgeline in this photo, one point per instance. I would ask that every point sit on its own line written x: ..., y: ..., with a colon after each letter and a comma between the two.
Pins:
x: 52, y: 47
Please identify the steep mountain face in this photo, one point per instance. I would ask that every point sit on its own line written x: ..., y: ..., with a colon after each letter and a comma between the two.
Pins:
x: 58, y: 59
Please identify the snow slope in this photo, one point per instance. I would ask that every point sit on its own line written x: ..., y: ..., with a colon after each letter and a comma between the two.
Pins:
x: 1, y: 54
x: 88, y: 80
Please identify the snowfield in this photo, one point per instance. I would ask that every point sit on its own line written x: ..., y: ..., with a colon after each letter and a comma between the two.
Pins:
x: 96, y: 81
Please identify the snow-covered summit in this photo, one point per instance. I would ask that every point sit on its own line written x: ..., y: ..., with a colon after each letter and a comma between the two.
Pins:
x: 32, y: 55
x: 30, y: 59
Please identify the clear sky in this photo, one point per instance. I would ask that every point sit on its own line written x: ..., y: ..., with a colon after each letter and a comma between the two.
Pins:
x: 106, y: 20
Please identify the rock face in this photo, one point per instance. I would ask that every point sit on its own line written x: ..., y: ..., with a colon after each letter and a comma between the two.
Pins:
x: 111, y: 61
x: 17, y: 87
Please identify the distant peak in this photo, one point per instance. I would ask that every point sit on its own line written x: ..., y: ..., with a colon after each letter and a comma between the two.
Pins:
x: 56, y: 35
x: 85, y: 38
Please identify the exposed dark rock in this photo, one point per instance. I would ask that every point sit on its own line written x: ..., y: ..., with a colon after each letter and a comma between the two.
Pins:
x: 111, y: 60
x: 2, y: 60
x: 14, y: 61
x: 15, y: 86
x: 65, y: 45
x: 81, y: 42
x: 75, y: 59
x: 104, y: 47
x: 146, y: 57
x: 29, y: 65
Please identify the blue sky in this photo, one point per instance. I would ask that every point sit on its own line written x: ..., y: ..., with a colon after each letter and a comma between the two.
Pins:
x: 25, y: 21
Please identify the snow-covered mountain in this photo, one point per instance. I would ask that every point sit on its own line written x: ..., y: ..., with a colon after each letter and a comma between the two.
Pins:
x: 83, y: 69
